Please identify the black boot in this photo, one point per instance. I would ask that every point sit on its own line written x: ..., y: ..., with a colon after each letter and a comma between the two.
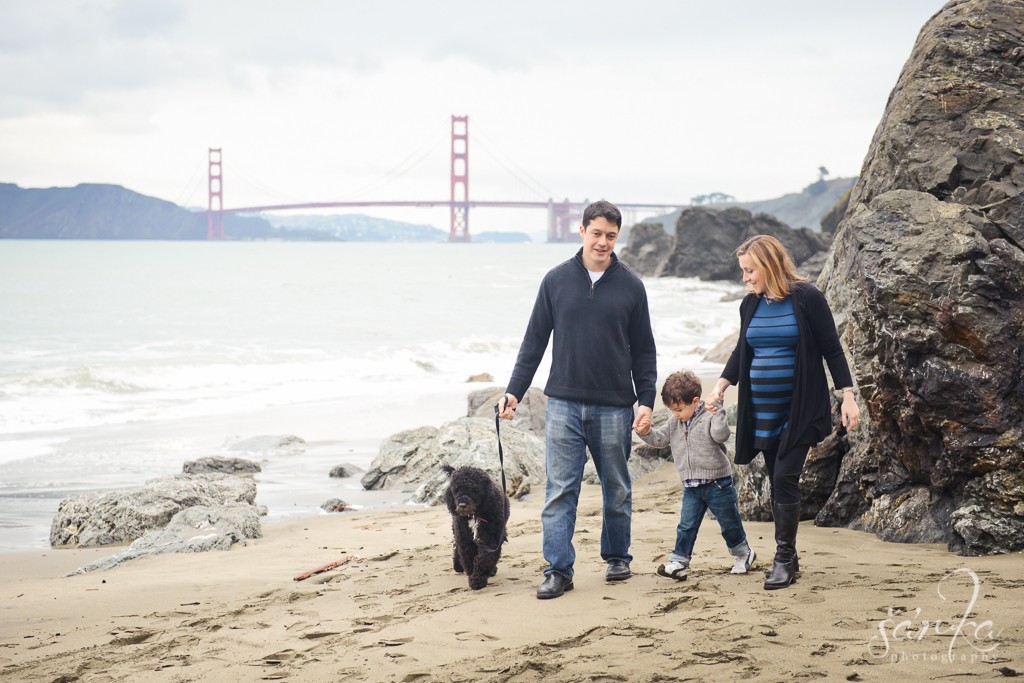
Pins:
x: 785, y: 566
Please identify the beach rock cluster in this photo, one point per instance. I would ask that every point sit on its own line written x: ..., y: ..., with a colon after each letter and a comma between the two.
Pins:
x: 705, y: 242
x: 221, y: 465
x: 926, y: 279
x: 411, y: 460
x: 648, y: 248
x: 344, y: 471
x: 195, y: 529
x: 112, y: 517
x: 529, y: 413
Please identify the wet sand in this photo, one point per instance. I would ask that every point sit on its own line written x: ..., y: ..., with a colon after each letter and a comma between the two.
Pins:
x: 862, y: 610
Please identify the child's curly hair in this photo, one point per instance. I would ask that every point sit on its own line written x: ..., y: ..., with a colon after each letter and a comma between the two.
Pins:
x: 680, y: 388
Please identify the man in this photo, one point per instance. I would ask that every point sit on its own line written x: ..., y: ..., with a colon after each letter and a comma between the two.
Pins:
x: 603, y: 361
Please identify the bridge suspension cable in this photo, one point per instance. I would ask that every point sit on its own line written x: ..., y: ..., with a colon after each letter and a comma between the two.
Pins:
x: 263, y: 188
x: 401, y: 168
x: 186, y: 194
x: 523, y: 177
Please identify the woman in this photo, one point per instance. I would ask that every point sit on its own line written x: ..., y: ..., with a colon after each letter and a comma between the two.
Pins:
x: 786, y: 329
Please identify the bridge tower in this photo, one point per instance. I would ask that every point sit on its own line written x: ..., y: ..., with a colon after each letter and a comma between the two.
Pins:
x: 459, y: 231
x: 215, y: 185
x: 563, y: 221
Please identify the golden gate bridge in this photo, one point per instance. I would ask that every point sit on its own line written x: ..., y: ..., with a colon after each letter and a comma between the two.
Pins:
x: 562, y: 215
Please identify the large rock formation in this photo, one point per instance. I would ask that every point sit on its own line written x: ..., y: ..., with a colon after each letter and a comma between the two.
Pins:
x: 648, y: 247
x: 529, y: 413
x: 706, y: 240
x: 92, y: 519
x: 195, y: 529
x: 926, y: 279
x: 221, y: 465
x: 412, y: 459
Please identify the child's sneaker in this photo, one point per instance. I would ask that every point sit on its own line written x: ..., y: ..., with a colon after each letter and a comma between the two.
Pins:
x: 744, y: 557
x: 674, y: 570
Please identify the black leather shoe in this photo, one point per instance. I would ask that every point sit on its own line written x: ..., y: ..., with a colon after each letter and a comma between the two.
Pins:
x: 554, y: 585
x: 618, y: 570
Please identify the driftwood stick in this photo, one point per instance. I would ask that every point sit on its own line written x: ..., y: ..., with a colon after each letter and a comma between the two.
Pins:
x: 320, y: 570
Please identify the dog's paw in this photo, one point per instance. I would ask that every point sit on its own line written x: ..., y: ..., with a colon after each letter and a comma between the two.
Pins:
x: 477, y: 582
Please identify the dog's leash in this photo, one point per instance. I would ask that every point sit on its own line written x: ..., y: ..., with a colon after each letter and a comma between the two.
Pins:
x: 501, y: 453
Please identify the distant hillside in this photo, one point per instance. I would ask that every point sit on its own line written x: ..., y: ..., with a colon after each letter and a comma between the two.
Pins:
x: 806, y: 208
x: 110, y: 212
x: 803, y: 209
x: 354, y: 228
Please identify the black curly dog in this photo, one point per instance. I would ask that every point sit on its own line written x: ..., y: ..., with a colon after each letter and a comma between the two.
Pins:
x: 472, y: 496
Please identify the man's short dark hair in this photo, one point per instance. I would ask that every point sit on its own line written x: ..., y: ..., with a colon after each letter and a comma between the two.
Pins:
x: 602, y: 209
x: 680, y: 388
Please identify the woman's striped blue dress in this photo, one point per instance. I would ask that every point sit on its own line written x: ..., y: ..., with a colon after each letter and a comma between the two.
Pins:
x: 772, y: 334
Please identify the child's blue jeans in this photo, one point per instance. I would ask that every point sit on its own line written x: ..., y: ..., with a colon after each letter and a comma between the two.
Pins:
x: 720, y: 497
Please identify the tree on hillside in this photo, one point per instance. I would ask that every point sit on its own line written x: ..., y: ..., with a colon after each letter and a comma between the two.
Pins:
x: 822, y: 172
x: 712, y: 198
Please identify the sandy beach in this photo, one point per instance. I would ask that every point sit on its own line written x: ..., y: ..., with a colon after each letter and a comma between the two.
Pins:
x: 861, y: 610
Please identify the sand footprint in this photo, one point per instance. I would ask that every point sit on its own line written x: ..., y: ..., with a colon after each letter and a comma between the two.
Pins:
x: 467, y: 635
x: 280, y: 658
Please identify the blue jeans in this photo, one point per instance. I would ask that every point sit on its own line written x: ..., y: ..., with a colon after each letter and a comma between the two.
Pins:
x: 571, y: 428
x: 720, y: 497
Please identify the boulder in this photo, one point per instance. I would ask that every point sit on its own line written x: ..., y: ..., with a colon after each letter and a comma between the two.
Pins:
x: 193, y: 530
x: 93, y: 519
x: 334, y: 505
x: 401, y: 458
x: 344, y: 471
x: 411, y: 460
x: 926, y: 280
x: 721, y: 351
x: 481, y: 377
x: 222, y: 465
x: 530, y: 413
x: 647, y: 248
x: 706, y: 240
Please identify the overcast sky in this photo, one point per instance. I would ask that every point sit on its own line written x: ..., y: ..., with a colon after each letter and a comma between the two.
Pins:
x: 315, y: 101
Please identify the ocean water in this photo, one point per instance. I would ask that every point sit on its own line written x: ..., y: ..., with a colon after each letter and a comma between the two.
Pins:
x: 119, y: 361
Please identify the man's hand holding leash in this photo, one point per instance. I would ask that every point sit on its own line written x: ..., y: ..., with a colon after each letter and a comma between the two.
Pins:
x: 507, y: 405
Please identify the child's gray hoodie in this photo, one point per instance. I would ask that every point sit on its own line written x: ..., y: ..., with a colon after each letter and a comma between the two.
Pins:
x: 699, y: 452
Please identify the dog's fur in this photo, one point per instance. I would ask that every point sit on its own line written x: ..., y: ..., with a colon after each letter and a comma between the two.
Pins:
x: 472, y: 496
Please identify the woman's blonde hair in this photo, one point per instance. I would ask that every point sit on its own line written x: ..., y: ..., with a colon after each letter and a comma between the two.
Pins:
x: 769, y: 255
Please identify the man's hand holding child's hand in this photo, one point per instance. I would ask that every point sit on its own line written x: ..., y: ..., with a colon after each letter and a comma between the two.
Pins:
x: 643, y: 423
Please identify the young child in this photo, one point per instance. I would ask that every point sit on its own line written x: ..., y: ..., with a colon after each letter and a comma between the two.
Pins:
x: 697, y: 437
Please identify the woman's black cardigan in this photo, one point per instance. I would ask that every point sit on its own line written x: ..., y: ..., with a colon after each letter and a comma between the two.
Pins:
x: 810, y: 414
